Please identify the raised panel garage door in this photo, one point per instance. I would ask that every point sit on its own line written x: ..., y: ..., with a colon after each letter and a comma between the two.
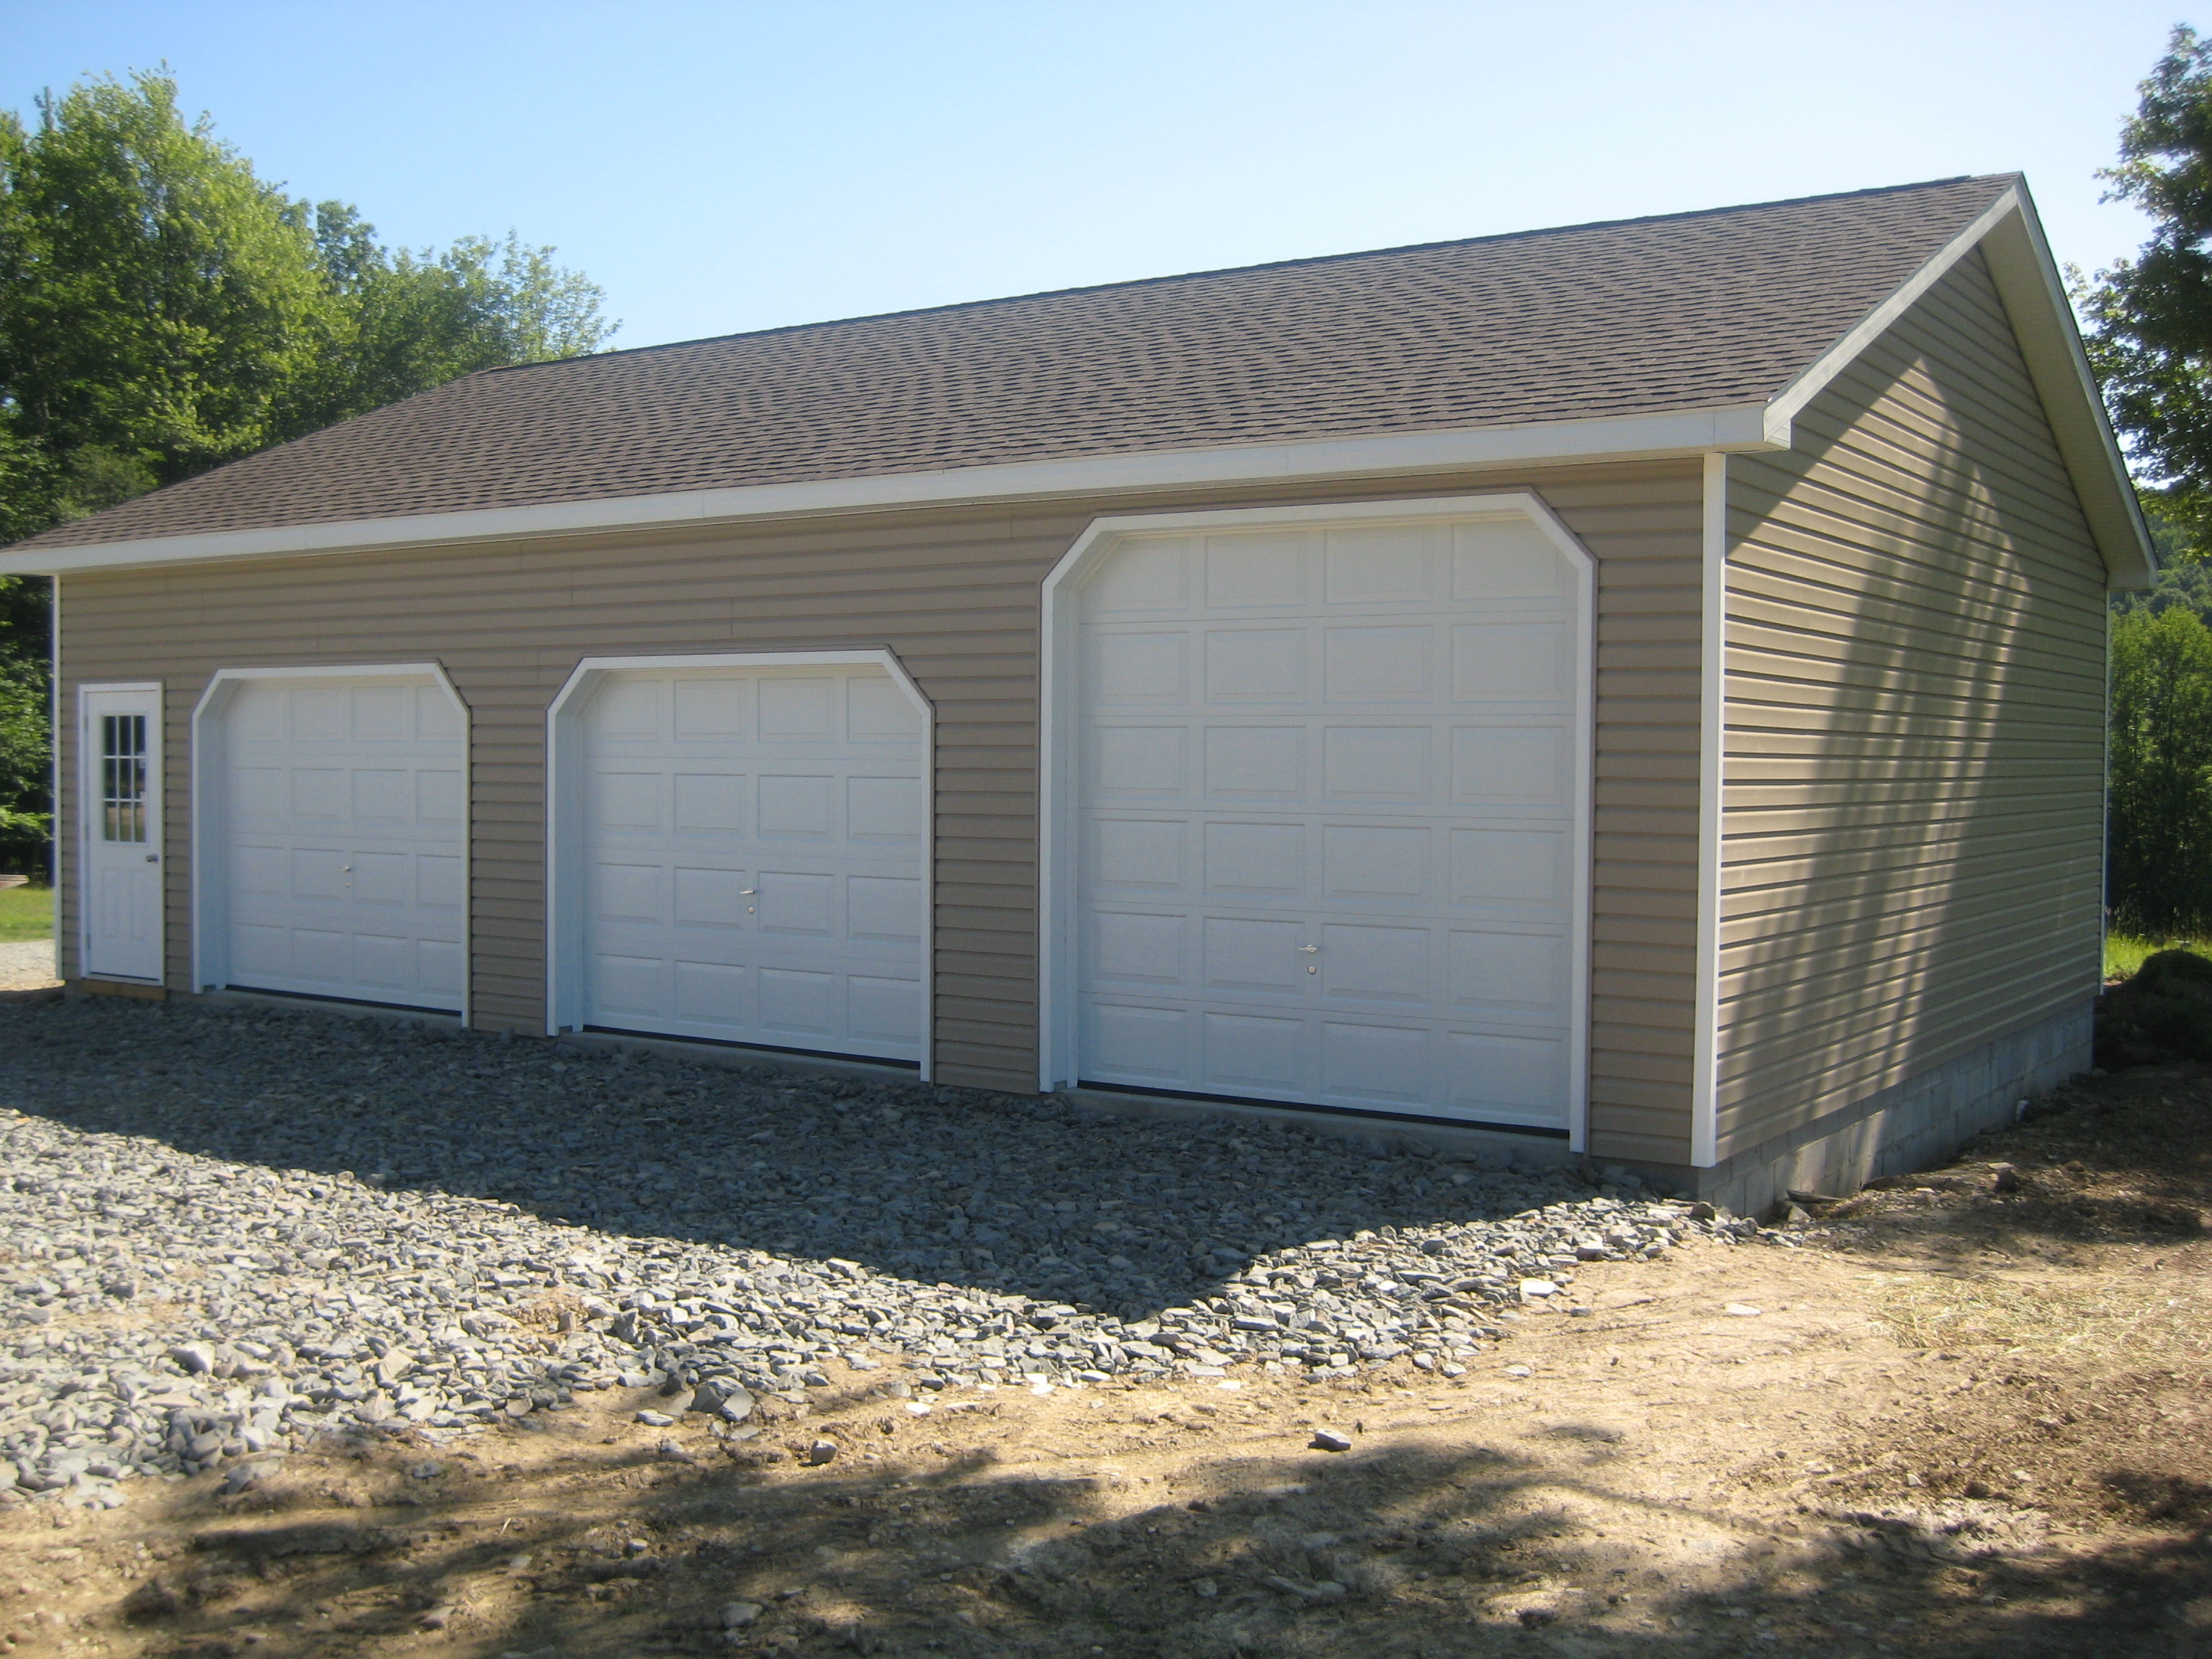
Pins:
x: 753, y: 858
x: 343, y: 817
x: 1328, y: 821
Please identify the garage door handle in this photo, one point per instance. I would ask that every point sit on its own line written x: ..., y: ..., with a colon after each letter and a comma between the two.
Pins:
x: 1309, y: 949
x: 747, y: 892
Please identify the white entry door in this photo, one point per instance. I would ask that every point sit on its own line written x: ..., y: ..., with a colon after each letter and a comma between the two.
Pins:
x: 1328, y: 828
x: 335, y: 822
x: 752, y: 857
x: 121, y: 734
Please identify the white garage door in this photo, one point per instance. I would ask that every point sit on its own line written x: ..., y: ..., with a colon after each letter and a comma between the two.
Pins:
x: 1328, y: 832
x: 343, y: 813
x: 752, y: 859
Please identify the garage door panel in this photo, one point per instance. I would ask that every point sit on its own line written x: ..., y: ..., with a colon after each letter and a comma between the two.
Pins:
x: 709, y: 709
x: 1372, y: 1065
x: 1378, y: 664
x: 1376, y: 863
x: 438, y: 884
x: 799, y: 710
x: 787, y: 883
x: 1388, y: 764
x: 1256, y: 763
x: 717, y: 992
x: 1260, y: 859
x: 627, y: 892
x: 1138, y: 761
x: 710, y: 803
x: 883, y: 809
x: 1246, y: 953
x: 382, y: 878
x: 1514, y: 1078
x: 1139, y: 1043
x: 796, y: 807
x: 713, y: 898
x: 1138, y: 853
x: 1383, y: 734
x: 878, y: 711
x: 1512, y: 663
x: 884, y: 908
x: 343, y: 833
x: 883, y: 1010
x: 1508, y: 866
x: 1360, y: 962
x: 1512, y: 766
x: 438, y: 967
x: 1504, y: 970
x: 440, y: 800
x: 1255, y: 666
x: 318, y: 793
x: 1133, y: 948
x: 793, y: 903
x: 1255, y: 1052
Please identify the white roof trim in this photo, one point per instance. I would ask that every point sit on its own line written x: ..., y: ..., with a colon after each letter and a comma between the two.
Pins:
x: 1692, y: 432
x: 2011, y: 239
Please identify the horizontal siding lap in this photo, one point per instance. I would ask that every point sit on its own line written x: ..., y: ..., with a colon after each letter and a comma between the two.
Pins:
x: 955, y: 592
x: 1914, y: 780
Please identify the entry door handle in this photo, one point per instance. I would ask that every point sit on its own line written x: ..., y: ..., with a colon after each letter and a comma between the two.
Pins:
x: 152, y: 858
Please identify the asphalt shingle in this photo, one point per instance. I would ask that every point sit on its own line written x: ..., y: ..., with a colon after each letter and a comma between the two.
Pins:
x: 1690, y: 310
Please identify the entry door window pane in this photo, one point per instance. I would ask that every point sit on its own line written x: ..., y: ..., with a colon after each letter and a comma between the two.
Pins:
x: 123, y: 777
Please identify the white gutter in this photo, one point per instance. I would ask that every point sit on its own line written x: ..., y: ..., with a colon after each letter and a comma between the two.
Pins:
x: 1693, y: 432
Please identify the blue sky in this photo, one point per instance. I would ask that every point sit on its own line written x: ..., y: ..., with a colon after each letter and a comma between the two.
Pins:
x: 727, y: 167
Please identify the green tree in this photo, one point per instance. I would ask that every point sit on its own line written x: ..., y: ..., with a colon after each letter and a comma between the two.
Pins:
x: 163, y: 310
x: 2149, y: 320
x: 2159, y: 872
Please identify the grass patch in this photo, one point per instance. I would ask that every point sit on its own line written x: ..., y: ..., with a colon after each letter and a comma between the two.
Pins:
x: 25, y: 913
x: 2125, y: 952
x: 2112, y: 1316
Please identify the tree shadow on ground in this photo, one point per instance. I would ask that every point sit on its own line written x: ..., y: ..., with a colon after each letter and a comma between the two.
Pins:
x: 1002, y: 1192
x: 1412, y: 1552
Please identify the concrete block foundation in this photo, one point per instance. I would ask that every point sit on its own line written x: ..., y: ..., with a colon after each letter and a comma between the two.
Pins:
x: 1912, y: 1125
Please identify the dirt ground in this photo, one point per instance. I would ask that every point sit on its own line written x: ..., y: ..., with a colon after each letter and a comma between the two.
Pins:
x: 1972, y: 1415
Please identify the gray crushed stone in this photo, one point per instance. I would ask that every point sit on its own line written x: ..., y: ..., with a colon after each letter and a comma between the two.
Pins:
x: 225, y: 1231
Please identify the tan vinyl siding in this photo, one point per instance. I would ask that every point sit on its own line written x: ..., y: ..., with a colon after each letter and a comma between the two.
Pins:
x: 1912, y: 842
x: 957, y: 595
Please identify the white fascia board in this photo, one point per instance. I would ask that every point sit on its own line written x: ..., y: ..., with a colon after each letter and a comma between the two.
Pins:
x: 1679, y: 432
x: 2027, y: 277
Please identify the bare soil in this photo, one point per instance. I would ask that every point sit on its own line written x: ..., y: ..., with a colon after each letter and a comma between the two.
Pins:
x: 1968, y: 1415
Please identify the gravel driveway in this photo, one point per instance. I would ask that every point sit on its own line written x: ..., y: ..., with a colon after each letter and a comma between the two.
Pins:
x: 224, y: 1228
x: 26, y: 965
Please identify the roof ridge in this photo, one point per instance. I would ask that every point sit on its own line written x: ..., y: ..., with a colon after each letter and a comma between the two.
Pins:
x: 1238, y: 271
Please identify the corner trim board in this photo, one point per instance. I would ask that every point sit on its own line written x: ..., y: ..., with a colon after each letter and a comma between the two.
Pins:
x: 1712, y: 754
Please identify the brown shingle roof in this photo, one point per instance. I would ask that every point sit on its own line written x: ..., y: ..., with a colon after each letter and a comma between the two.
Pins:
x: 1691, y: 311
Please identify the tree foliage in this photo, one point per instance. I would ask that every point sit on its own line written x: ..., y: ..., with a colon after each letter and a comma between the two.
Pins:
x: 2159, y: 872
x: 163, y: 309
x: 2149, y: 320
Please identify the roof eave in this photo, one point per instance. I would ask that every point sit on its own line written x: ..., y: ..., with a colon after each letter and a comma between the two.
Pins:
x: 2012, y: 242
x: 1661, y: 435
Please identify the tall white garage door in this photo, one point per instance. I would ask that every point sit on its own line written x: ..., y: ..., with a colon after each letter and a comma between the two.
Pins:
x: 341, y: 821
x: 1329, y: 830
x: 752, y: 865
